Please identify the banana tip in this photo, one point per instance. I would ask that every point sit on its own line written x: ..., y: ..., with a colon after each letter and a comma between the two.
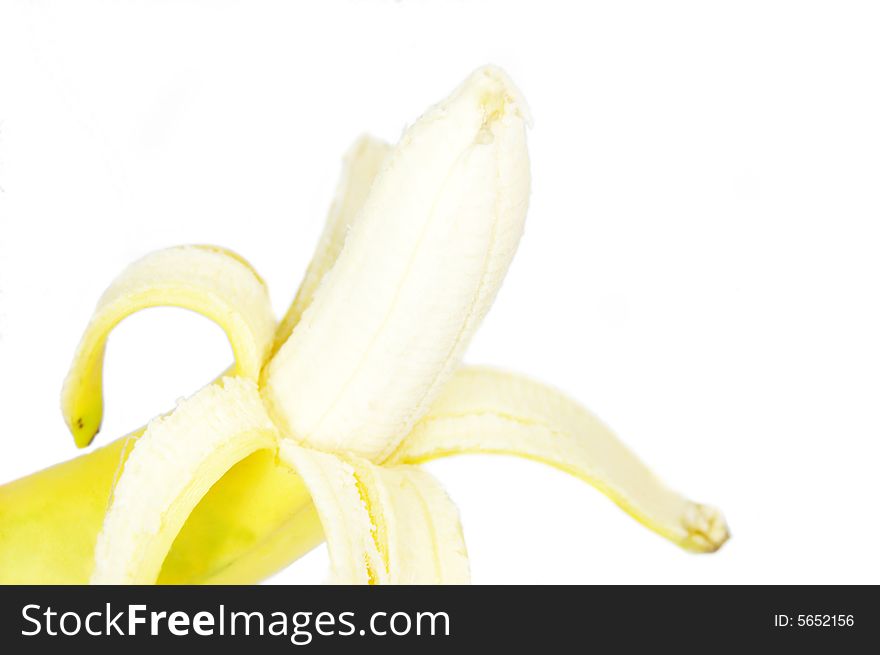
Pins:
x: 499, y: 93
x: 83, y: 431
x: 706, y: 528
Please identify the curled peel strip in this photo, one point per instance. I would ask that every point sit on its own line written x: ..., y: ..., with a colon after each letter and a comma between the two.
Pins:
x: 208, y: 280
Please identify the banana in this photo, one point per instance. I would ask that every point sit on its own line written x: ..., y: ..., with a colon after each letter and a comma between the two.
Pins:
x: 418, y: 271
x: 359, y: 384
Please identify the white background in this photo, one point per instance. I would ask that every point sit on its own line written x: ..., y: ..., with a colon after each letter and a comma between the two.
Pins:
x: 700, y: 265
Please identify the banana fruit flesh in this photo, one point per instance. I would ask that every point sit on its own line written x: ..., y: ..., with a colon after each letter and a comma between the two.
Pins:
x: 418, y: 271
x: 317, y: 429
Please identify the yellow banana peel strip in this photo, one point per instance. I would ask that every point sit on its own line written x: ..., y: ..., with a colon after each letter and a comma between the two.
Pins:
x: 208, y: 280
x: 487, y: 411
x: 170, y: 469
x: 383, y: 525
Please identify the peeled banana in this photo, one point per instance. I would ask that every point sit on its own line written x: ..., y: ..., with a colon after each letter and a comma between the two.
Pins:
x: 317, y: 429
x: 418, y: 271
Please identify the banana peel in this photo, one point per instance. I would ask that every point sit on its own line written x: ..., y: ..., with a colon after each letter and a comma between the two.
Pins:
x: 259, y: 517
